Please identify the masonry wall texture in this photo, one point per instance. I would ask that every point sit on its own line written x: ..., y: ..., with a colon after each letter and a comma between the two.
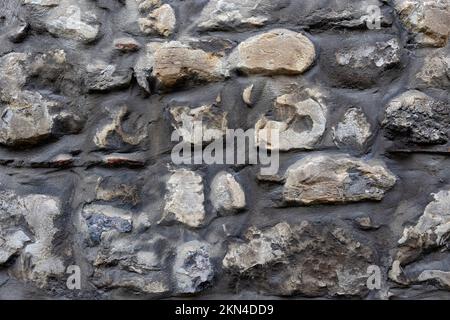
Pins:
x: 91, y: 91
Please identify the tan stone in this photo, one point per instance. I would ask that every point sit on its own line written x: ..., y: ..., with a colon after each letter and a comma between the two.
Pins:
x: 161, y: 21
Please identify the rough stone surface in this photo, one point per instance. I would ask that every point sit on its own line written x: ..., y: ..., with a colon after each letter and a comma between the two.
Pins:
x: 277, y: 52
x: 336, y: 179
x: 418, y: 118
x: 99, y: 99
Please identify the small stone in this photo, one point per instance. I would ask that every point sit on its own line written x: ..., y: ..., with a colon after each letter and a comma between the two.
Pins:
x: 103, y: 77
x: 277, y: 52
x: 72, y: 23
x: 147, y: 5
x: 193, y: 268
x: 301, y: 124
x: 247, y: 95
x: 101, y: 218
x: 19, y: 33
x: 441, y: 277
x: 227, y: 195
x: 113, y: 135
x: 353, y: 130
x: 336, y: 179
x: 365, y: 223
x: 427, y: 20
x: 208, y: 118
x: 126, y: 44
x: 184, y: 199
x: 161, y: 21
x: 110, y: 189
x: 135, y: 159
x: 435, y: 71
x: 43, y: 3
x: 11, y: 244
x: 173, y: 64
x: 234, y: 14
x: 417, y: 118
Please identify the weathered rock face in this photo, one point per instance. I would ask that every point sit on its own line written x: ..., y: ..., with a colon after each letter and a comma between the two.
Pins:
x: 346, y: 101
x: 301, y: 124
x: 184, y: 200
x: 199, y: 125
x: 286, y: 260
x: 173, y: 64
x: 418, y: 118
x: 336, y: 179
x: 426, y: 20
x: 353, y: 130
x: 227, y: 195
x: 277, y: 52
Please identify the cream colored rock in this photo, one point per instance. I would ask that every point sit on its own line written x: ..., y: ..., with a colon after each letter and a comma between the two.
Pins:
x: 299, y: 120
x: 247, y: 95
x: 435, y: 71
x: 146, y: 5
x: 173, y: 64
x: 11, y: 243
x: 353, y: 130
x: 184, y: 199
x: 336, y: 178
x: 227, y: 195
x: 277, y: 52
x: 199, y: 125
x: 427, y: 20
x: 161, y: 21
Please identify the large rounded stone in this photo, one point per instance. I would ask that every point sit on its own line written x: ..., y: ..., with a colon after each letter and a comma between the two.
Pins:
x: 277, y: 52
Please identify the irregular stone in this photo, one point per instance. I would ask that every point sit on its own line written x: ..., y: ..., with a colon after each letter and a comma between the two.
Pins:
x: 147, y: 5
x: 19, y: 33
x: 435, y: 71
x: 112, y: 134
x: 427, y: 20
x: 299, y: 119
x: 161, y: 21
x: 336, y: 179
x: 353, y: 130
x: 103, y: 77
x: 417, y: 118
x: 247, y: 95
x: 227, y: 195
x: 173, y: 64
x: 233, y: 14
x: 277, y: 52
x: 100, y: 219
x: 126, y: 44
x: 44, y: 3
x: 193, y: 268
x: 361, y: 63
x: 71, y: 23
x: 199, y: 125
x: 441, y: 277
x: 184, y: 199
x: 11, y: 244
x: 288, y: 260
x: 135, y: 159
x: 431, y: 232
x: 365, y: 223
x: 110, y: 189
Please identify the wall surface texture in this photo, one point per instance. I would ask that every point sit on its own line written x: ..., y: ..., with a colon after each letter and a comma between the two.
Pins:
x: 92, y: 205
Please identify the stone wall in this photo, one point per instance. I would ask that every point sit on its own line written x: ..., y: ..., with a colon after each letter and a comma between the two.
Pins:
x: 92, y: 90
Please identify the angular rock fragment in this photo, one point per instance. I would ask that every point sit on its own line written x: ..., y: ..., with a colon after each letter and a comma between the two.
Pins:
x: 173, y: 64
x: 435, y: 71
x: 146, y: 5
x: 11, y: 243
x: 193, y: 268
x: 277, y: 52
x: 126, y: 44
x: 233, y: 14
x: 417, y: 118
x: 113, y: 134
x: 161, y: 21
x: 300, y: 121
x: 110, y: 189
x: 199, y: 125
x: 427, y: 20
x: 184, y: 199
x: 247, y: 95
x: 353, y: 130
x: 361, y: 63
x: 336, y: 179
x: 104, y: 77
x: 71, y: 22
x: 307, y: 259
x: 100, y: 219
x: 227, y: 195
